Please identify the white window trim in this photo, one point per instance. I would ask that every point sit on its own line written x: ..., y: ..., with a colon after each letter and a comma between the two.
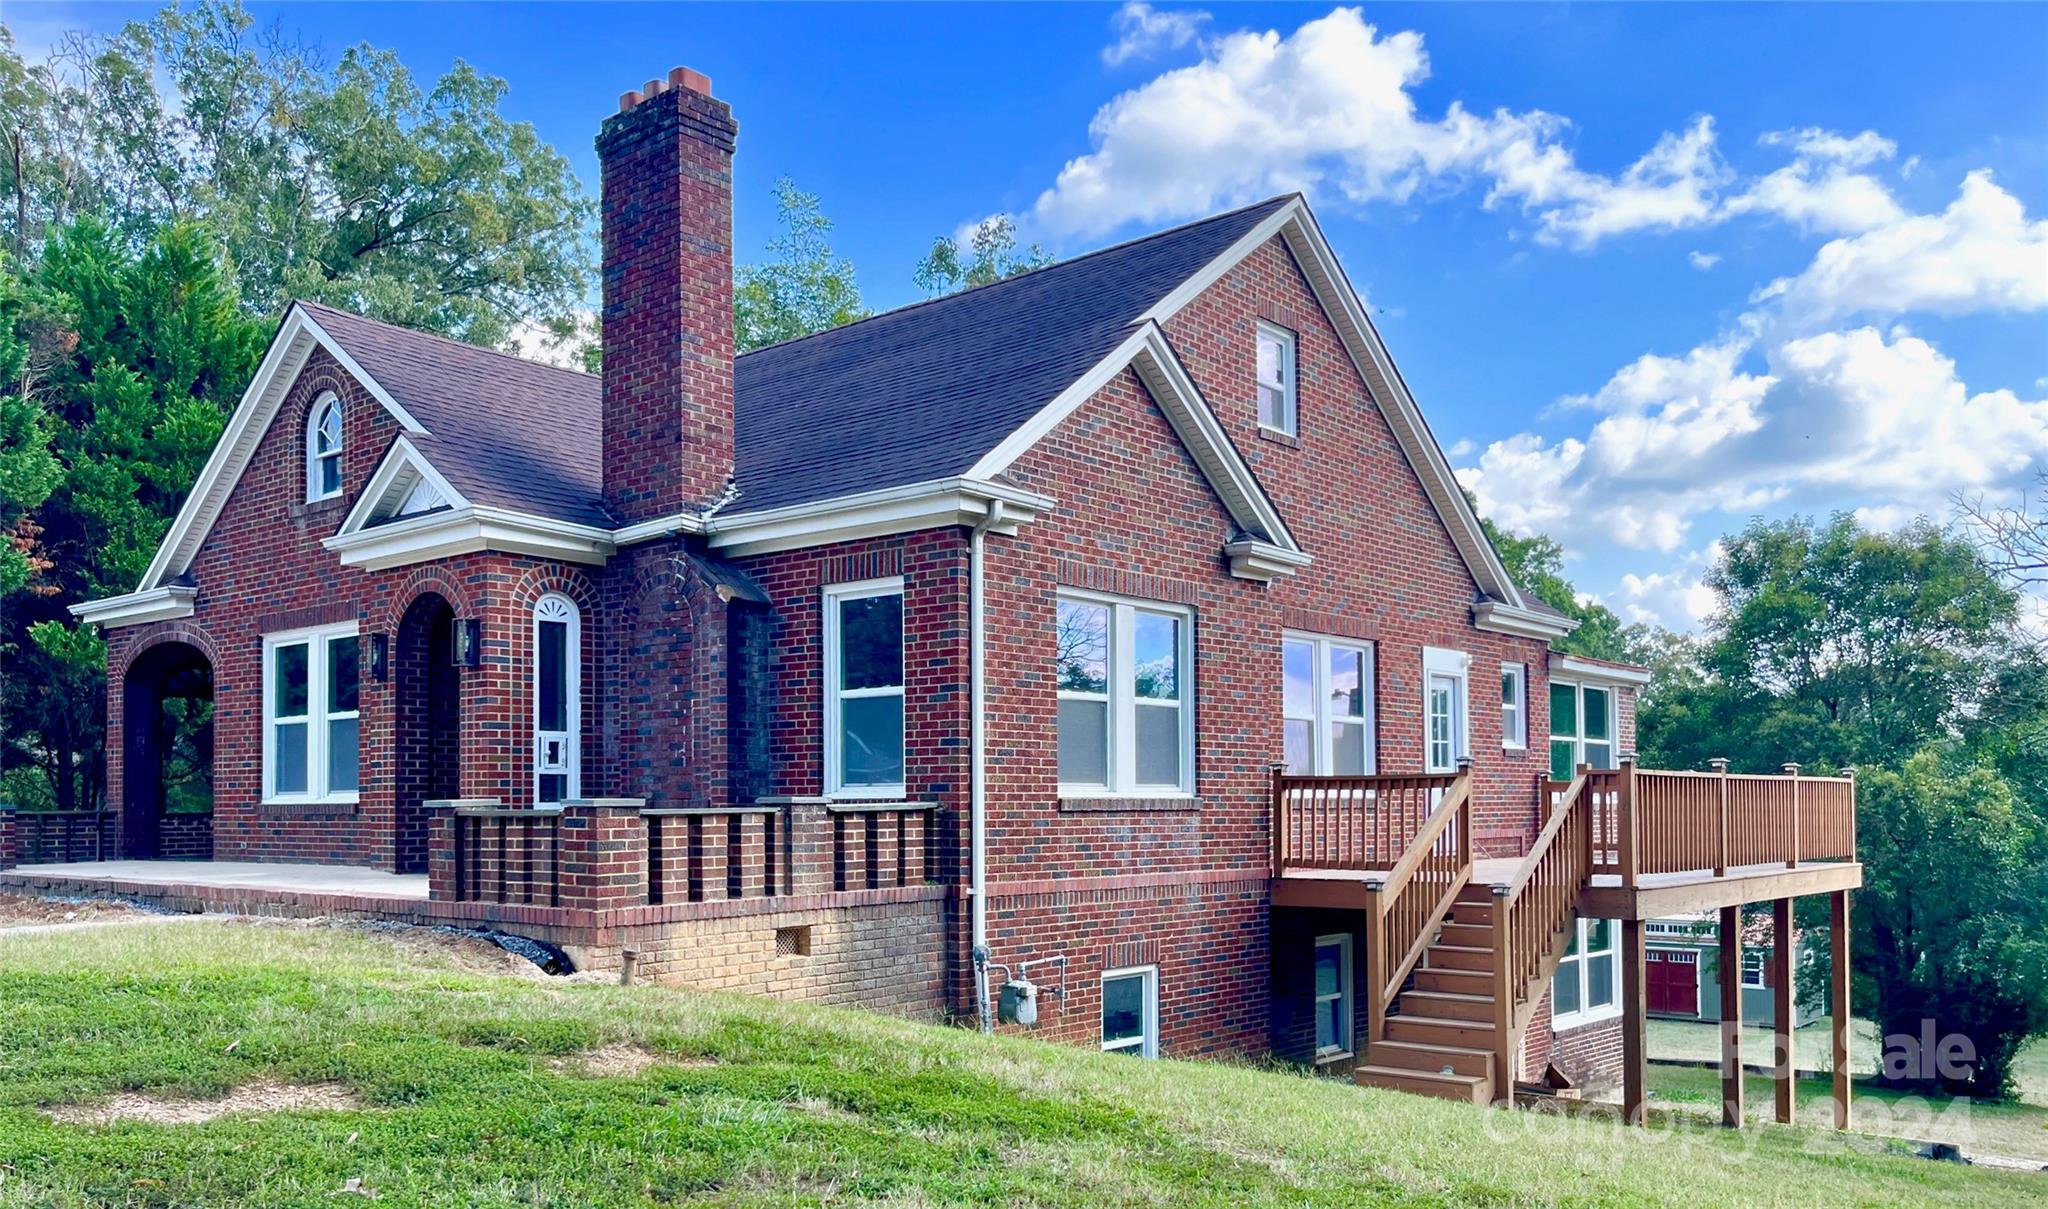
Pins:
x: 1763, y: 961
x: 1588, y: 1013
x: 1578, y: 740
x: 314, y: 416
x: 315, y: 639
x: 1123, y: 704
x: 572, y: 675
x: 1321, y: 750
x: 1439, y: 661
x: 834, y: 596
x: 1347, y: 1042
x: 1147, y: 1043
x: 1290, y: 379
x: 1516, y: 739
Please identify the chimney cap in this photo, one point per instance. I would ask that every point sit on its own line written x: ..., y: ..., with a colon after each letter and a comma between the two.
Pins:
x: 685, y: 78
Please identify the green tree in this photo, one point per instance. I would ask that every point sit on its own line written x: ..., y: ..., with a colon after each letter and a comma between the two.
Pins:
x: 803, y: 287
x: 1536, y: 564
x: 991, y: 255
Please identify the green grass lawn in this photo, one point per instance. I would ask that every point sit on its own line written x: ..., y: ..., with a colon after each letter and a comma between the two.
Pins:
x: 471, y: 1094
x: 1702, y: 1041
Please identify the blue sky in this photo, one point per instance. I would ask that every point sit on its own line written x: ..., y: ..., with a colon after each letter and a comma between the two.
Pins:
x: 1650, y: 269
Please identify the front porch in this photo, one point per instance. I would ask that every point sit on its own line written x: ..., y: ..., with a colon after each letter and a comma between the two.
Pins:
x: 1460, y: 949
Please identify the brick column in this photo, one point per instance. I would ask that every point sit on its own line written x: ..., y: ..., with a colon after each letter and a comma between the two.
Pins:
x: 10, y: 846
x: 808, y: 827
x: 604, y: 853
x: 750, y: 848
x: 441, y: 864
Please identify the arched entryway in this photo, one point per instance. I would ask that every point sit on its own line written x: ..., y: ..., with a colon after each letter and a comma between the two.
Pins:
x: 428, y: 699
x: 167, y: 754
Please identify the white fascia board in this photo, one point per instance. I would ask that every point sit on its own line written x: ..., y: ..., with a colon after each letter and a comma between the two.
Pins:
x: 930, y: 505
x: 659, y: 527
x: 1571, y: 667
x: 1504, y: 618
x: 468, y: 530
x: 1295, y: 223
x: 158, y: 604
x: 402, y: 457
x: 297, y: 336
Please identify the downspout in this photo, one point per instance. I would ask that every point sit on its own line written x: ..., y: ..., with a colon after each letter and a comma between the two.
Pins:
x: 977, y: 778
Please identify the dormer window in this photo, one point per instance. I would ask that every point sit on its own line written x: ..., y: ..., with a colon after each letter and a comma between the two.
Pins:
x: 323, y: 450
x: 1276, y: 379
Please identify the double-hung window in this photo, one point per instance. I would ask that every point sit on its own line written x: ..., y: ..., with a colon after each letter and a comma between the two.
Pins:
x: 1276, y: 379
x: 323, y: 450
x: 1126, y: 697
x: 1130, y: 1011
x: 1584, y: 988
x: 1514, y: 705
x: 1581, y: 728
x: 1326, y: 706
x: 311, y: 715
x: 864, y: 689
x: 1333, y: 994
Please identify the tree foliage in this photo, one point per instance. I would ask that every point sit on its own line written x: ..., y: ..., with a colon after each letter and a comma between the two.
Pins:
x: 802, y: 287
x: 1536, y: 564
x: 991, y: 254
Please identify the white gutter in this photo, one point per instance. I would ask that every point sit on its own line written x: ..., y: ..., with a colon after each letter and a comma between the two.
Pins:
x: 977, y: 759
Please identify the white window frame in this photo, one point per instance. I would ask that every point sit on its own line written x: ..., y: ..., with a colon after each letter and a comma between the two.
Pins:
x: 836, y: 595
x: 315, y: 640
x: 1589, y: 1012
x: 1146, y: 1043
x: 1122, y: 764
x: 1290, y: 380
x: 1578, y: 739
x: 1457, y: 665
x: 1514, y: 717
x: 327, y: 401
x: 1321, y: 751
x: 1761, y: 964
x: 556, y: 607
x: 1346, y: 1008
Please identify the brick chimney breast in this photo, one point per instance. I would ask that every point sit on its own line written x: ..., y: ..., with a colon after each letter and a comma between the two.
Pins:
x: 668, y: 338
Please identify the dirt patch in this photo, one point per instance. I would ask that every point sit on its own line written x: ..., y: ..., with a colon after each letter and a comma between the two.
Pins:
x: 29, y: 911
x: 262, y: 1095
x: 622, y: 1060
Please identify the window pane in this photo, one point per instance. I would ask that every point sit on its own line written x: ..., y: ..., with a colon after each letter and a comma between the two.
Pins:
x: 289, y: 749
x: 1600, y: 755
x: 553, y: 687
x: 1560, y: 759
x: 1084, y: 742
x: 1597, y: 720
x: 1273, y: 408
x: 554, y: 788
x: 871, y: 642
x: 1298, y: 671
x: 289, y: 695
x: 871, y: 740
x: 1330, y: 1024
x: 330, y: 474
x: 1565, y: 990
x: 1347, y: 749
x: 1301, y: 759
x: 1564, y: 710
x: 1510, y: 685
x: 1157, y: 666
x: 1123, y: 1008
x: 1600, y: 981
x: 330, y: 428
x: 1158, y: 745
x: 1599, y: 935
x: 1083, y: 639
x: 1329, y: 968
x: 1347, y: 682
x: 343, y: 667
x: 342, y: 737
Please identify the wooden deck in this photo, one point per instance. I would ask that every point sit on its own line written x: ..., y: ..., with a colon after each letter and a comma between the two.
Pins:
x: 1604, y: 897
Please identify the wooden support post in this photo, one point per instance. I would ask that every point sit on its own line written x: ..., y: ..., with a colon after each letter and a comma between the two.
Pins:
x: 1720, y: 765
x: 1594, y: 839
x: 1504, y: 1038
x: 1792, y: 770
x: 1279, y: 814
x: 1635, y: 1065
x: 1838, y: 1006
x: 1731, y: 1017
x: 1627, y: 809
x: 1784, y: 1051
x: 1375, y: 964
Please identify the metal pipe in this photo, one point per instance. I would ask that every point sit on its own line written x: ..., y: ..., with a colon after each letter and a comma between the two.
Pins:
x: 977, y: 758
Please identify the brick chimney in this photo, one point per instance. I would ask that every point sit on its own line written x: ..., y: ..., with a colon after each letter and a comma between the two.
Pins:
x: 668, y: 343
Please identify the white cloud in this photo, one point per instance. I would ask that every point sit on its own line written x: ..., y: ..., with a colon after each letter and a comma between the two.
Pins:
x: 1143, y: 31
x: 1676, y: 599
x: 1980, y: 254
x: 534, y: 342
x: 1703, y: 260
x: 1820, y: 191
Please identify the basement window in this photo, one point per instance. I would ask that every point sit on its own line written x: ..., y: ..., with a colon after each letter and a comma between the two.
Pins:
x: 1130, y: 1011
x: 1333, y: 995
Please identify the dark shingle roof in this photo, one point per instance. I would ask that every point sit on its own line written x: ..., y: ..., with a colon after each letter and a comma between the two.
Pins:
x: 507, y: 432
x: 903, y: 397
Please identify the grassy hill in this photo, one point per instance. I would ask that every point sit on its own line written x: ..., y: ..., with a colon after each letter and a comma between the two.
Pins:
x: 438, y: 1073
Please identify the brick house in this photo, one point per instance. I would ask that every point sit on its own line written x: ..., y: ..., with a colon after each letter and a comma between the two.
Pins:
x: 948, y: 648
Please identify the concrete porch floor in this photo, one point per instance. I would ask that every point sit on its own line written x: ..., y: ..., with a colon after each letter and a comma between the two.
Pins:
x: 250, y: 875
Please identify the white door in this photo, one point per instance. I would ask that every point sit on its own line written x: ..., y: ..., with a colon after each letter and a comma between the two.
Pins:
x: 1443, y: 724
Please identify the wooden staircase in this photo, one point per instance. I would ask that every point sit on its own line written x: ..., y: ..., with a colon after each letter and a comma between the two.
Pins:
x: 1438, y: 1038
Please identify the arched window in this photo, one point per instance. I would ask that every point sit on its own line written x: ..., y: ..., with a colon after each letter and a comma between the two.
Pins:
x: 557, y: 705
x: 323, y: 450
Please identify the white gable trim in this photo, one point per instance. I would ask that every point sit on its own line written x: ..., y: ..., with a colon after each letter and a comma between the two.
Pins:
x: 167, y: 603
x: 402, y: 469
x: 1297, y: 226
x: 1272, y: 550
x: 467, y: 530
x: 297, y: 336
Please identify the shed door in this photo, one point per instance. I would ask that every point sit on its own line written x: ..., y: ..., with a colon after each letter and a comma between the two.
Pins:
x: 1673, y: 981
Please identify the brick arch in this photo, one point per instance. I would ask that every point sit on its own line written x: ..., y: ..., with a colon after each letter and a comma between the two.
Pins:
x: 422, y: 581
x: 191, y: 633
x: 537, y: 582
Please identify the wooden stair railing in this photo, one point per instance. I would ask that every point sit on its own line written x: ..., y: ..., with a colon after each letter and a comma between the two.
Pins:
x: 1406, y: 905
x: 1531, y: 914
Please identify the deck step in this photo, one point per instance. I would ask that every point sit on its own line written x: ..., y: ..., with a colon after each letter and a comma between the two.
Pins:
x: 1469, y: 1089
x: 1466, y: 935
x: 1459, y: 982
x: 1479, y: 915
x: 1459, y: 957
x: 1438, y: 1030
x: 1408, y: 1055
x: 1475, y: 892
x: 1447, y: 1005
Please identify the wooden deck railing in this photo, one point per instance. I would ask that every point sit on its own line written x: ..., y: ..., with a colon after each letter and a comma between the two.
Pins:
x: 1710, y: 822
x: 1405, y: 908
x: 1350, y: 822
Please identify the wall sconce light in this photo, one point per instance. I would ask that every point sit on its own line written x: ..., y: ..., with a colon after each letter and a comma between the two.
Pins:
x: 469, y: 642
x: 380, y: 657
